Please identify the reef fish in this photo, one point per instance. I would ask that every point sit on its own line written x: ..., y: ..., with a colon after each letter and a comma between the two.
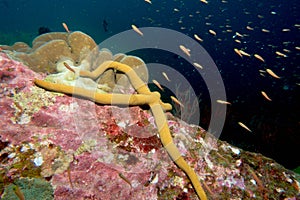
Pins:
x: 244, y: 53
x: 266, y: 96
x: 177, y: 101
x: 185, y: 50
x: 223, y: 102
x: 158, y: 84
x: 238, y: 52
x: 204, y: 1
x: 137, y: 30
x: 166, y: 76
x: 212, y: 32
x: 259, y: 57
x: 66, y: 27
x: 272, y: 73
x: 197, y: 65
x: 280, y: 54
x: 198, y: 38
x: 249, y: 28
x: 105, y: 25
x: 244, y: 126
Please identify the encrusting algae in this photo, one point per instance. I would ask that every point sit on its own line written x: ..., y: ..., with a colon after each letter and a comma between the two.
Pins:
x: 144, y: 97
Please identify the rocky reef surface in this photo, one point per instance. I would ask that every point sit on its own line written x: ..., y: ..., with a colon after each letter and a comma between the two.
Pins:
x: 56, y: 146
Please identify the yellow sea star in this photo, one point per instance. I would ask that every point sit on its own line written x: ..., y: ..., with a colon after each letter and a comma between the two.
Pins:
x: 144, y: 96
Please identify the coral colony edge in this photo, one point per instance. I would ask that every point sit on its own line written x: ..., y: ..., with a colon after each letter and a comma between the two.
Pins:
x: 103, y: 156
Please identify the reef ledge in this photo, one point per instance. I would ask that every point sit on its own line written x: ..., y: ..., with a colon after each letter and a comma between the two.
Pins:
x: 55, y: 146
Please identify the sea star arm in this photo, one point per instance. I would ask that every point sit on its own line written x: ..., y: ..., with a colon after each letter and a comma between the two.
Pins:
x: 113, y: 99
x: 167, y: 141
x: 135, y: 80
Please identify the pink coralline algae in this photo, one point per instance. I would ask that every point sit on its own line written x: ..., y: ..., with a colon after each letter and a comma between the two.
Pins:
x: 90, y: 151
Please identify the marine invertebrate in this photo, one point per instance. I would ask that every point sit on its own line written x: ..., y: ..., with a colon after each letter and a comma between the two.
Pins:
x: 144, y: 96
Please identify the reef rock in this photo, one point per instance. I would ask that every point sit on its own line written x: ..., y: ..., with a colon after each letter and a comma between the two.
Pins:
x: 75, y: 149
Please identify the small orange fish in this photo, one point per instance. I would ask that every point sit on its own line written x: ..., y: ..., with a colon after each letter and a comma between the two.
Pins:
x: 265, y: 30
x: 177, y: 101
x: 272, y: 73
x: 137, y: 30
x: 244, y: 53
x: 185, y: 50
x: 244, y: 126
x: 197, y: 65
x: 198, y: 38
x: 158, y: 85
x: 266, y: 96
x: 260, y: 16
x: 280, y: 54
x: 286, y: 50
x: 238, y: 34
x: 259, y: 57
x: 212, y: 32
x: 223, y: 102
x: 166, y: 76
x: 66, y: 27
x: 238, y: 52
x: 250, y: 28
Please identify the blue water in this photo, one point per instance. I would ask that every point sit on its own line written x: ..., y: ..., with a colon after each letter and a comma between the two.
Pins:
x: 275, y: 124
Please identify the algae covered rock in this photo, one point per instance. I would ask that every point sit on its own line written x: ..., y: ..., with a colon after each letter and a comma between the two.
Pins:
x: 30, y: 188
x: 110, y: 152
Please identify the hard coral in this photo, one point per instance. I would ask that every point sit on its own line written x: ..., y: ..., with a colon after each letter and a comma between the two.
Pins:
x: 51, y: 49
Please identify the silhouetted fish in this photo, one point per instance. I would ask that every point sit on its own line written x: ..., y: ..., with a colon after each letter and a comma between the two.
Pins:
x: 105, y: 25
x: 43, y: 30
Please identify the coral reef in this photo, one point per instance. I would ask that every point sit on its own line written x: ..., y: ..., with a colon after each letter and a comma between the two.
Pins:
x: 90, y: 151
x: 145, y: 97
x: 49, y: 50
